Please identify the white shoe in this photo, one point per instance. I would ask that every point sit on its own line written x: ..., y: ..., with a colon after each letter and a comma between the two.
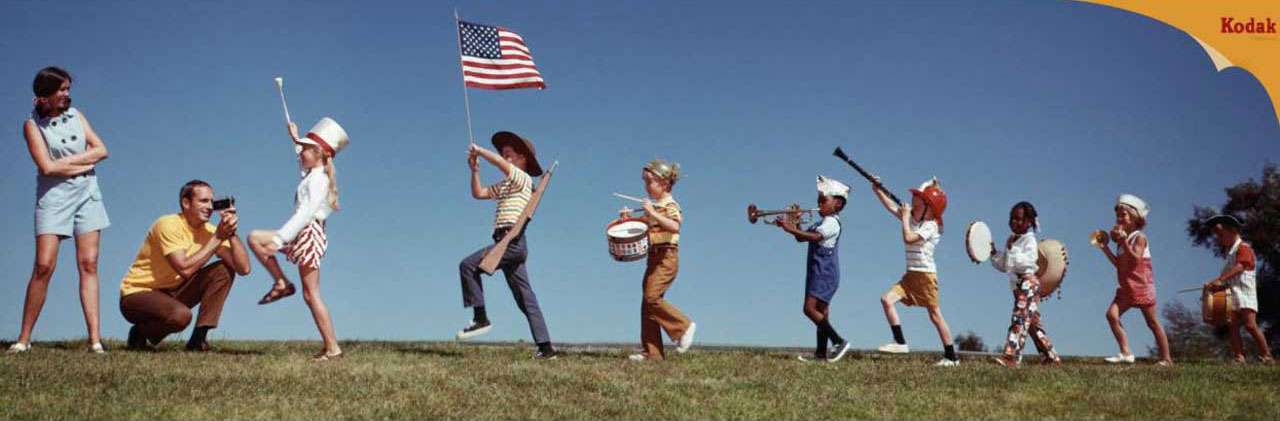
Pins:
x: 838, y: 352
x: 894, y: 348
x: 97, y: 349
x: 1120, y: 358
x: 809, y: 358
x: 18, y: 348
x: 947, y: 363
x: 686, y: 341
x: 637, y: 357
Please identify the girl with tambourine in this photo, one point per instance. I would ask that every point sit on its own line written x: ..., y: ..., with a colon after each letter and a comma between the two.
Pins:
x: 1021, y: 251
x: 302, y: 238
x: 1132, y: 260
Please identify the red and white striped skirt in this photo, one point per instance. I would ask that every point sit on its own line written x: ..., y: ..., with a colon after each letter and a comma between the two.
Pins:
x: 308, y: 248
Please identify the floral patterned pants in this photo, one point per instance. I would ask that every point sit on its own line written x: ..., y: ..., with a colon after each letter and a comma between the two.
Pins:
x: 1026, y: 319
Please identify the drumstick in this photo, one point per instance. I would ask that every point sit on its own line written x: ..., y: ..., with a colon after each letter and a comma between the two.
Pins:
x: 1191, y: 289
x: 280, y: 87
x: 839, y: 153
x: 635, y: 199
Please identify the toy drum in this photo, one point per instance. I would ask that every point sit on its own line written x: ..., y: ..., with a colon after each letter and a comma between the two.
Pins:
x: 628, y: 239
x: 1216, y: 307
x: 1053, y: 266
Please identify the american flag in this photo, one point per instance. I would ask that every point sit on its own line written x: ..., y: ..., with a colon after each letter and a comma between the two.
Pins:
x: 495, y: 58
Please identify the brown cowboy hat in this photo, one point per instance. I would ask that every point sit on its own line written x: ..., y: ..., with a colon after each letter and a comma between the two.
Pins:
x: 521, y: 145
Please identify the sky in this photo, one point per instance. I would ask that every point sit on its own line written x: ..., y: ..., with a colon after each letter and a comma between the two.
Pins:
x: 1060, y: 103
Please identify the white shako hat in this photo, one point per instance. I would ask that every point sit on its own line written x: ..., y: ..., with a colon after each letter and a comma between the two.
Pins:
x: 832, y: 188
x: 1135, y: 203
x: 326, y: 134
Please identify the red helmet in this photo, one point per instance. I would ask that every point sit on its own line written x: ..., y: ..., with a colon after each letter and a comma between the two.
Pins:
x: 932, y: 195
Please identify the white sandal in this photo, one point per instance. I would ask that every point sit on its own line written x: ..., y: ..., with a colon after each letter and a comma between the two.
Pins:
x: 18, y: 348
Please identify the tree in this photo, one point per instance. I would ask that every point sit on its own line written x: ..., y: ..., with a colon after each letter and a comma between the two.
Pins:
x: 1256, y: 203
x: 970, y: 341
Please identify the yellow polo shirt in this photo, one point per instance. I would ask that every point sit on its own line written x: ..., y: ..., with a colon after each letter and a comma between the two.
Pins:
x: 670, y: 209
x: 171, y: 233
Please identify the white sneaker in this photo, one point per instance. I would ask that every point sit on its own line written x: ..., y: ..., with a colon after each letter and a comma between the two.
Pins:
x: 18, y: 348
x: 947, y: 363
x: 474, y: 329
x: 97, y: 349
x: 838, y: 352
x: 809, y: 358
x: 1120, y: 358
x: 637, y: 357
x: 894, y: 348
x: 686, y: 341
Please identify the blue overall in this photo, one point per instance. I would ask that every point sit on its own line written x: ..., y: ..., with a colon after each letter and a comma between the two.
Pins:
x: 822, y: 273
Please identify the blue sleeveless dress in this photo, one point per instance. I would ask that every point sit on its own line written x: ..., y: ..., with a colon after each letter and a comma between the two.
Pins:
x: 67, y: 206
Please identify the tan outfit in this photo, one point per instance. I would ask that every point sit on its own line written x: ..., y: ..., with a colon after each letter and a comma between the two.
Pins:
x: 656, y: 314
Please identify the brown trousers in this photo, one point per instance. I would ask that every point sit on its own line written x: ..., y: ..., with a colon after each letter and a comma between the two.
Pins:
x: 158, y: 313
x: 656, y: 314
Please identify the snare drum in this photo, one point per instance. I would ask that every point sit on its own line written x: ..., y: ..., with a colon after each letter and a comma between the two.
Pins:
x: 628, y: 239
x: 1215, y: 307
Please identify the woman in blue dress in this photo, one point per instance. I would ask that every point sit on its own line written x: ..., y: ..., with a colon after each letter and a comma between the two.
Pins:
x: 68, y: 201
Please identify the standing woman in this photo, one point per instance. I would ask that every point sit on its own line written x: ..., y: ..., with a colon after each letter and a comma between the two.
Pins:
x: 68, y: 201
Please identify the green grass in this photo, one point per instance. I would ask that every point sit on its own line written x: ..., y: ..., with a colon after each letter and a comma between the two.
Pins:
x: 445, y: 380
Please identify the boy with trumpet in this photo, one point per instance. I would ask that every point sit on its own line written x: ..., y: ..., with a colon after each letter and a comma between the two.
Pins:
x: 822, y: 266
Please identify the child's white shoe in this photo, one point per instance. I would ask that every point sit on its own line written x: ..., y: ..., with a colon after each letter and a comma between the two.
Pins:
x: 894, y: 348
x: 637, y: 357
x: 1120, y: 358
x: 686, y: 341
x: 18, y: 348
x: 947, y: 363
x: 97, y: 349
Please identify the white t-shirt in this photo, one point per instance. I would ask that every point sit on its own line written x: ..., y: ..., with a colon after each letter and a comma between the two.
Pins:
x: 829, y: 227
x: 920, y: 254
x: 1019, y: 260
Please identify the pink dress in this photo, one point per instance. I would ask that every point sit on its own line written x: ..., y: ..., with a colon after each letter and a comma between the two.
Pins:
x: 1137, y: 284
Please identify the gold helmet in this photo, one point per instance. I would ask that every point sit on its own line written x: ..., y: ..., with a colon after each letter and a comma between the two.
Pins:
x: 669, y: 171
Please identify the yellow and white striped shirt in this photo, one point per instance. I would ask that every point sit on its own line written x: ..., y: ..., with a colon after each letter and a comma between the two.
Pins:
x: 513, y: 194
x: 670, y: 209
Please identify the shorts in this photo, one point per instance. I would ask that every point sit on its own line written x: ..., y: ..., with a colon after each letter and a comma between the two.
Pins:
x: 70, y: 207
x: 917, y: 289
x: 308, y: 247
x: 1129, y: 299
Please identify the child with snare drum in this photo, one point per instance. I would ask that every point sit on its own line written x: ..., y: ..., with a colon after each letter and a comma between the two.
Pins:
x: 921, y: 223
x: 665, y: 219
x: 1021, y: 251
x: 1240, y: 275
x: 1132, y: 260
x: 822, y: 267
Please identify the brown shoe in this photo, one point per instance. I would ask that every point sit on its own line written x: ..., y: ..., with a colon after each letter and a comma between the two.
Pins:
x: 275, y: 294
x: 201, y: 347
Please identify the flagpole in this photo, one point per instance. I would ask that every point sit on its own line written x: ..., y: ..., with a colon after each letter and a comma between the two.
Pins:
x: 465, y: 99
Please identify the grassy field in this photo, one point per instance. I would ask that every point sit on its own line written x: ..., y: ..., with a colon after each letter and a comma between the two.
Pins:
x: 446, y: 380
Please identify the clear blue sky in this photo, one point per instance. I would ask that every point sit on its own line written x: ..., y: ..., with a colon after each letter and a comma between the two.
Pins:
x: 1060, y: 103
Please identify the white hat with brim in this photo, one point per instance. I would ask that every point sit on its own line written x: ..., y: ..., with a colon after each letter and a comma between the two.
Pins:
x: 832, y: 188
x: 1134, y: 202
x: 326, y: 134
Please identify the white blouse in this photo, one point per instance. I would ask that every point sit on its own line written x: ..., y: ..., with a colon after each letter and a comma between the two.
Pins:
x: 311, y: 201
x: 1020, y: 259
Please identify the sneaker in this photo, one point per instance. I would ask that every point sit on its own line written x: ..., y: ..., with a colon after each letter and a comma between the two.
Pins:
x: 18, y: 348
x: 546, y: 355
x: 1165, y: 363
x: 97, y: 349
x: 474, y: 329
x: 894, y: 348
x: 638, y: 357
x: 810, y: 358
x: 1120, y: 358
x: 946, y: 363
x: 686, y: 341
x: 837, y: 351
x: 1006, y: 361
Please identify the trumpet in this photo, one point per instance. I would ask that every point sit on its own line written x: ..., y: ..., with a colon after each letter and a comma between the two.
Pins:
x: 754, y: 214
x: 1098, y: 237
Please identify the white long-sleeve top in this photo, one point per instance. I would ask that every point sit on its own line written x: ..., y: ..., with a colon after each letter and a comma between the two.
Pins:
x: 1019, y: 260
x: 310, y: 202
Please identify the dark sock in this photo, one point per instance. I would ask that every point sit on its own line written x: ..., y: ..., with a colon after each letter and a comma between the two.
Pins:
x: 198, y: 335
x: 545, y: 347
x: 822, y: 344
x: 480, y: 316
x: 949, y: 351
x: 897, y: 335
x: 825, y: 327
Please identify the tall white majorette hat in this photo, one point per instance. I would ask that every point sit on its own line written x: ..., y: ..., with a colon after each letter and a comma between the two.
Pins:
x: 832, y: 188
x: 326, y: 134
x: 1134, y: 202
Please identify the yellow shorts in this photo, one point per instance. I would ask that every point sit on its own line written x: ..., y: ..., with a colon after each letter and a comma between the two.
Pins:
x: 917, y: 289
